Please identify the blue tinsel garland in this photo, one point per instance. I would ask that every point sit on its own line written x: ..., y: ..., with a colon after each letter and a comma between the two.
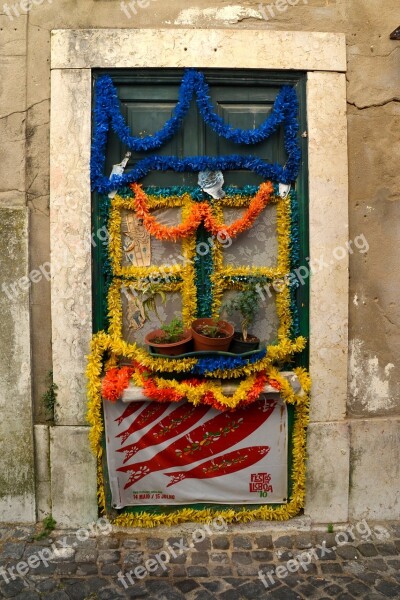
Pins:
x: 107, y: 114
x: 211, y: 364
x: 194, y: 164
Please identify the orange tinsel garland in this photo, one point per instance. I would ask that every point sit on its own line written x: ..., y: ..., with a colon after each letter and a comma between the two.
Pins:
x: 200, y: 211
x: 257, y: 204
x: 115, y: 381
x: 162, y: 232
x: 156, y: 393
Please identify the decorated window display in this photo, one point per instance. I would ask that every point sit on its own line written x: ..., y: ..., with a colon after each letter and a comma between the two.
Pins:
x: 191, y: 381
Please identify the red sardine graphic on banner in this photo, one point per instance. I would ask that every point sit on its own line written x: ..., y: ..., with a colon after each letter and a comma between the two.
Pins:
x: 131, y: 408
x: 149, y: 414
x: 178, y: 421
x: 214, y: 436
x: 223, y: 465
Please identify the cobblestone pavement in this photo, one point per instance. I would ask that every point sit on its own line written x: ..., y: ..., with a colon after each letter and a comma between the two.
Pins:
x: 362, y: 562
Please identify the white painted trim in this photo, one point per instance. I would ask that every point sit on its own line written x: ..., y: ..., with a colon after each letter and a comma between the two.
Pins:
x: 74, y: 54
x: 70, y: 239
x: 329, y: 234
x: 218, y: 48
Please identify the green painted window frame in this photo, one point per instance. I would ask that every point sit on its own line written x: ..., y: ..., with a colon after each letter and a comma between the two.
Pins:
x: 228, y: 77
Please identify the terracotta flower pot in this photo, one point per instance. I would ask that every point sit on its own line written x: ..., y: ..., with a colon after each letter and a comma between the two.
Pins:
x: 210, y: 344
x: 239, y: 346
x: 171, y: 349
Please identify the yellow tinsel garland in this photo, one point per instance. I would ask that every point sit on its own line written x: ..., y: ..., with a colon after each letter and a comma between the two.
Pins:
x: 194, y: 394
x: 275, y: 353
x: 115, y: 236
x: 189, y: 292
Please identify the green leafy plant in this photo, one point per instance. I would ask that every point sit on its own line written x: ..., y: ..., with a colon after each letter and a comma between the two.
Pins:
x: 171, y: 332
x: 211, y: 331
x: 330, y: 527
x: 247, y: 303
x: 50, y: 395
x: 48, y: 525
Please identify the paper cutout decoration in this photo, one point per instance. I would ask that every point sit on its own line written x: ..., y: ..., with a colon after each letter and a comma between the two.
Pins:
x: 212, y: 182
x: 137, y: 244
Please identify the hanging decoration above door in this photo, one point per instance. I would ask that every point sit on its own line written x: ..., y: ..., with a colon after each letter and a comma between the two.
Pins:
x: 131, y: 214
x: 107, y: 115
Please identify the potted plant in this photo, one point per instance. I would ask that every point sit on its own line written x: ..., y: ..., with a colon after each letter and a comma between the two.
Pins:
x: 171, y: 339
x: 211, y: 335
x: 246, y: 303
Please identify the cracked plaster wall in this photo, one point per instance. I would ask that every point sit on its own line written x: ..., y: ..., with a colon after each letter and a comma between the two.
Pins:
x: 373, y: 90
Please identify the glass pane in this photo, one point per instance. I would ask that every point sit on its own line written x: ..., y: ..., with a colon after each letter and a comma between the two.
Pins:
x: 256, y: 247
x: 266, y: 322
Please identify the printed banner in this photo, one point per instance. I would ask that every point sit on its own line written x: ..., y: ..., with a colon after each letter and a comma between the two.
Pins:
x: 176, y: 453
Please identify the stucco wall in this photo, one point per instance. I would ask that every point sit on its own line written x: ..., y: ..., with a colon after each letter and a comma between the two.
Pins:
x: 374, y: 125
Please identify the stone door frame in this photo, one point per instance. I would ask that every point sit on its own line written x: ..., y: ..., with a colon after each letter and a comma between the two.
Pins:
x: 74, y: 53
